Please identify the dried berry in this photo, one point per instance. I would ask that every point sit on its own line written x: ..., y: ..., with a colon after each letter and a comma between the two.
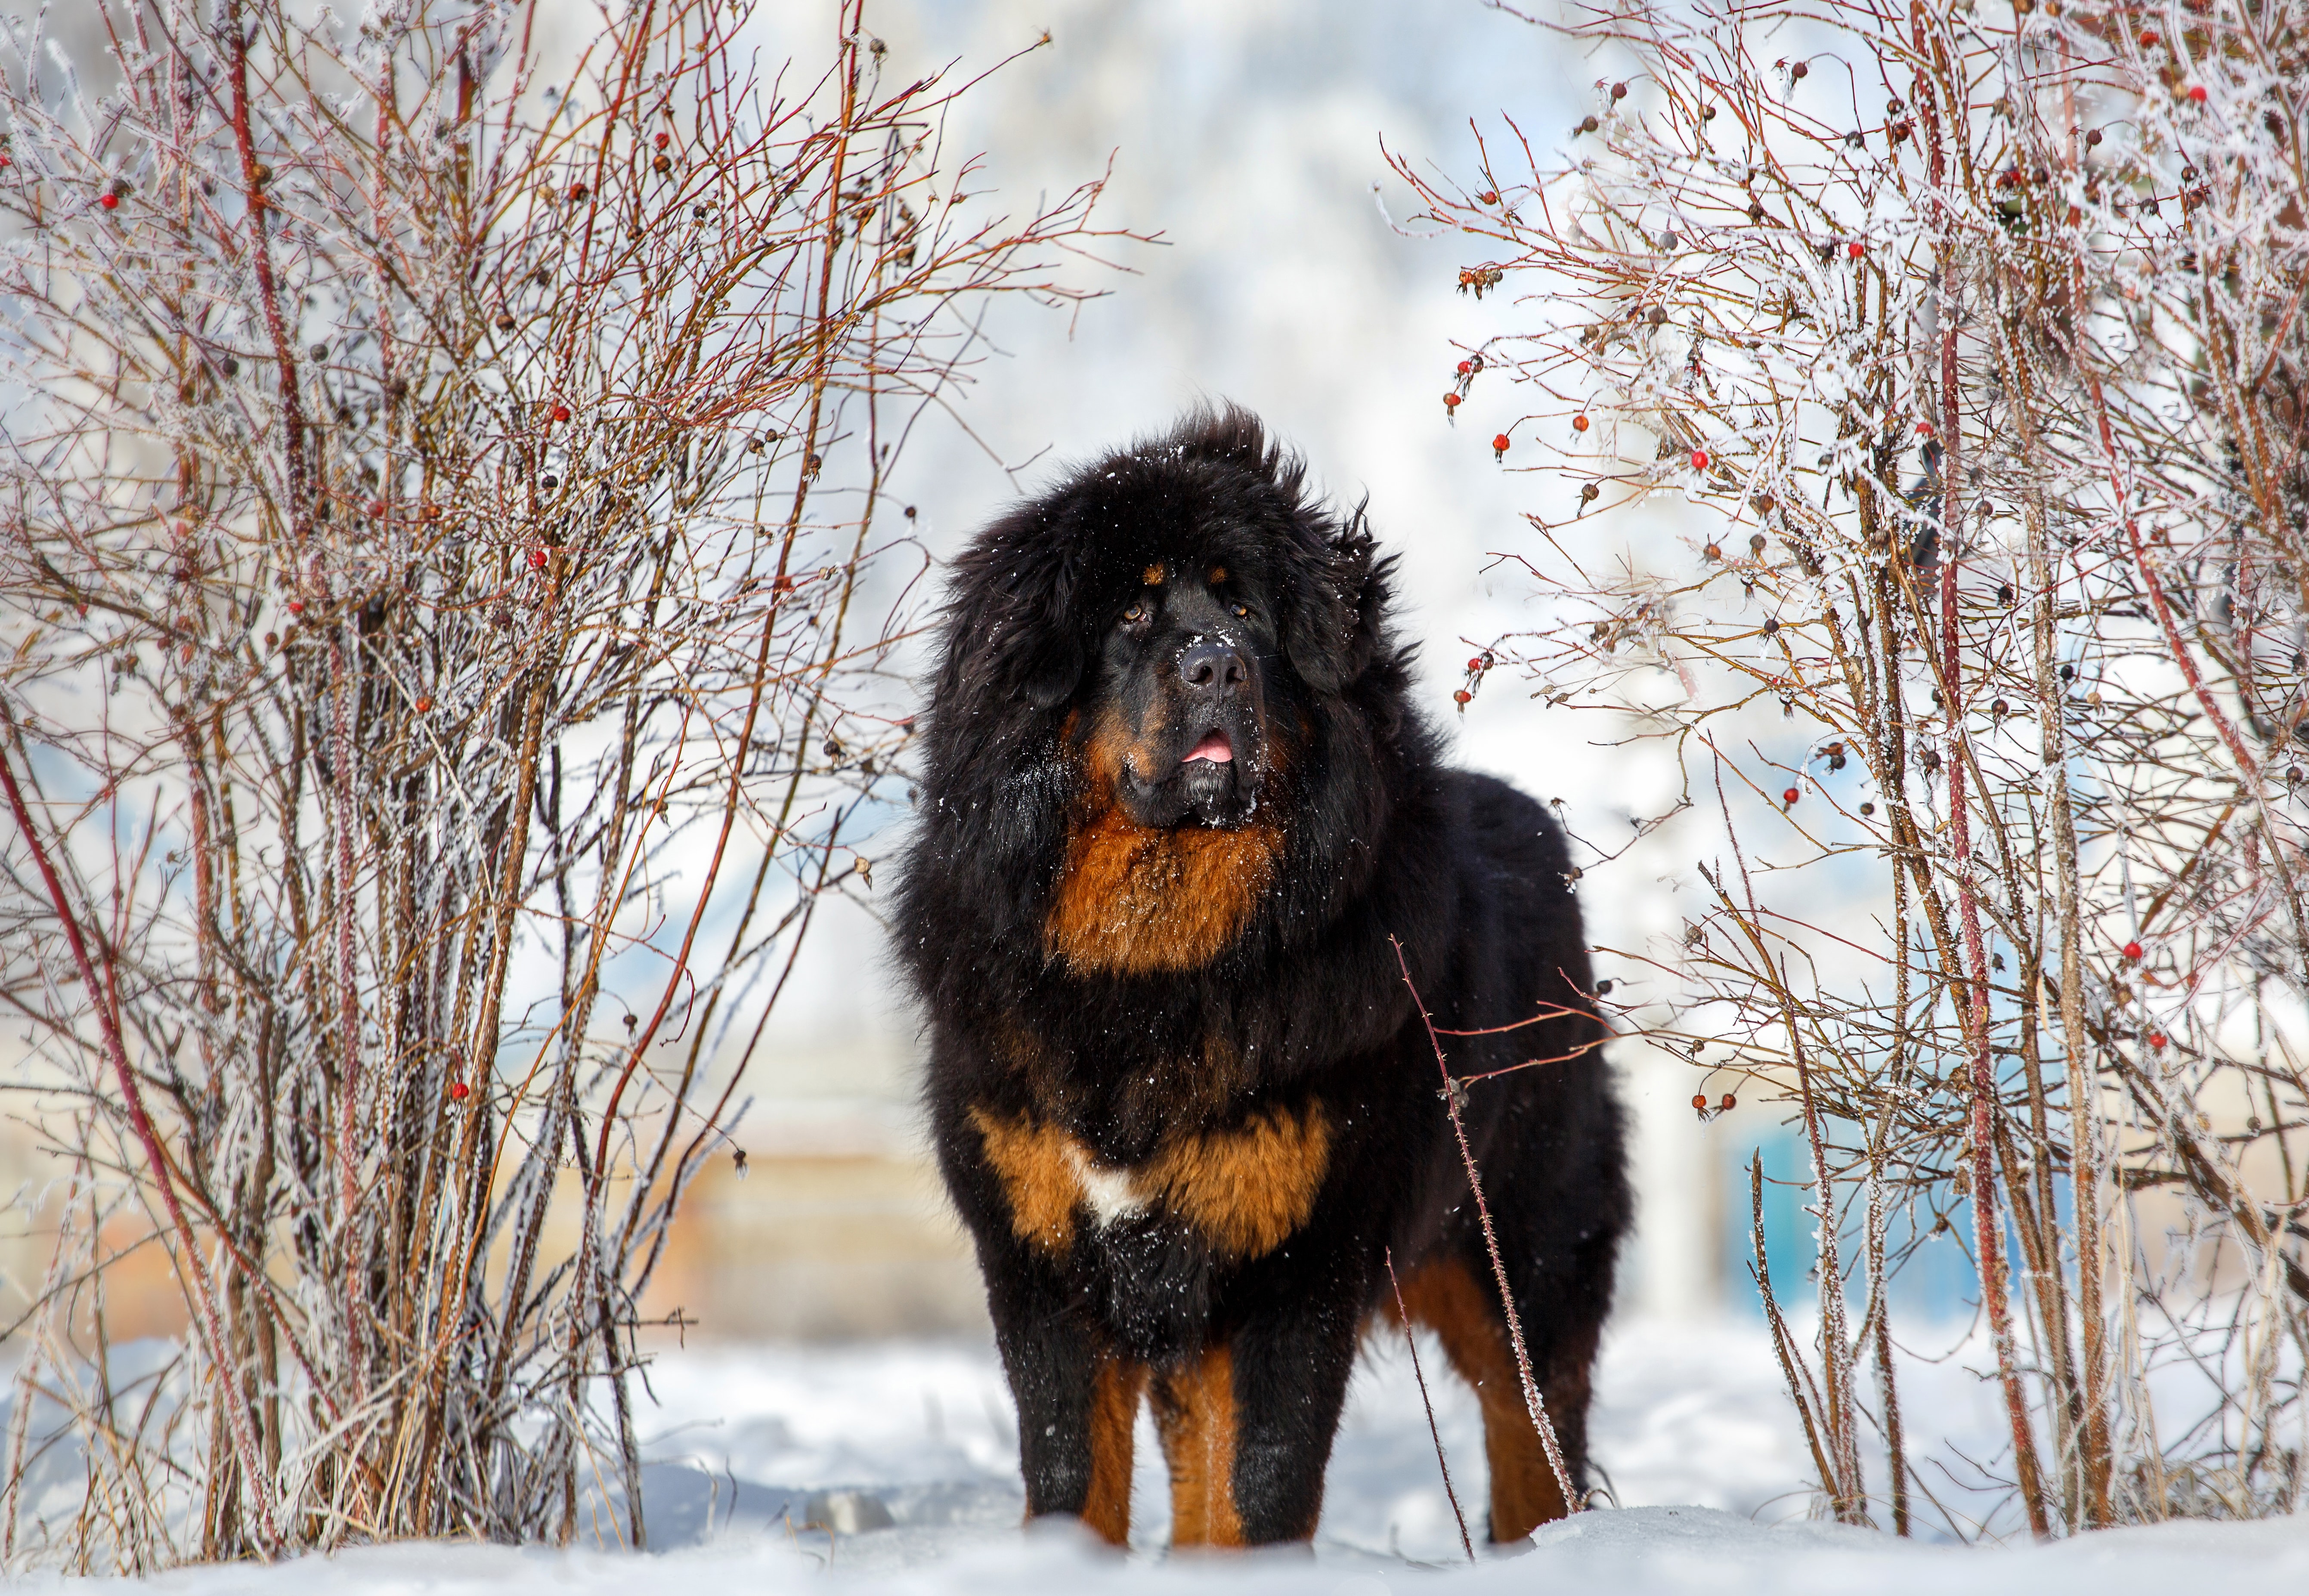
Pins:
x: 1461, y: 696
x: 1619, y: 91
x: 1727, y: 1103
x: 1578, y: 423
x: 1451, y: 402
x: 1700, y: 1102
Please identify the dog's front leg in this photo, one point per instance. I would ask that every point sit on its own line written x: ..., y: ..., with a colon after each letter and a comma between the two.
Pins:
x: 1077, y: 1401
x: 1247, y: 1427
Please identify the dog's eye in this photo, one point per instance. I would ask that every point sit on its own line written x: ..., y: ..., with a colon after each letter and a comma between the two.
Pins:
x: 1243, y: 610
x: 1134, y: 615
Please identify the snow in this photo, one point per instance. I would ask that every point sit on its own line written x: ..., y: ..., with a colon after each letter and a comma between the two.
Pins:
x: 908, y: 1452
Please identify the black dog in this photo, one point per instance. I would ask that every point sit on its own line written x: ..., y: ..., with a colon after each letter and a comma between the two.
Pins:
x: 1177, y: 815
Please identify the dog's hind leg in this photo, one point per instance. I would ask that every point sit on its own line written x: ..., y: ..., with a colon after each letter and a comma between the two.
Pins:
x: 1459, y: 1301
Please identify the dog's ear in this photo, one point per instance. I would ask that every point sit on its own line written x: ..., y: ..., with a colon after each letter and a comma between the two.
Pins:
x: 1049, y: 667
x: 1331, y: 621
x: 1011, y: 624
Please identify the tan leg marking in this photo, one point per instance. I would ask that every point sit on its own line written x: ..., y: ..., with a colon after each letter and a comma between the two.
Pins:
x: 1446, y: 1296
x: 1115, y: 1392
x: 1195, y: 1415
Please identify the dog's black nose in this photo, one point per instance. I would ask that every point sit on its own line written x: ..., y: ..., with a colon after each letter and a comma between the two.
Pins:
x: 1212, y: 666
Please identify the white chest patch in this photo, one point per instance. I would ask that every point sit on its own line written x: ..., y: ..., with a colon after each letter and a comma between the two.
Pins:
x: 1111, y: 1194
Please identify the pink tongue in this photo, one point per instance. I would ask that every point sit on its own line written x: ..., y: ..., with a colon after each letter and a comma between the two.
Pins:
x: 1213, y: 747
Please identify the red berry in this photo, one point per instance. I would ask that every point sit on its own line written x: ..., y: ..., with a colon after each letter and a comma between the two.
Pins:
x: 1451, y: 402
x: 1488, y: 197
x: 663, y: 139
x: 1476, y: 665
x: 376, y: 507
x: 1700, y: 460
x: 2148, y: 38
x: 5, y: 163
x: 459, y: 1092
x: 561, y: 413
x: 1461, y: 697
x: 296, y: 607
x: 2133, y: 950
x: 1856, y: 249
x: 1924, y: 429
x: 2156, y: 1039
x: 424, y: 706
x: 2197, y: 92
x: 578, y: 191
x: 1727, y: 1103
x: 1499, y: 443
x: 537, y: 559
x: 1700, y: 1102
x: 1578, y: 423
x: 1467, y: 367
x: 111, y: 201
x: 1790, y: 795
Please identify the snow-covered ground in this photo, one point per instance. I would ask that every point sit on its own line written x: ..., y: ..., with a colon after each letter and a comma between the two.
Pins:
x: 908, y: 1453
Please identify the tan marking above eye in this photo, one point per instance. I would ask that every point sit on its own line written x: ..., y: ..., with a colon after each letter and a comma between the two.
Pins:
x: 1218, y: 574
x: 1153, y: 575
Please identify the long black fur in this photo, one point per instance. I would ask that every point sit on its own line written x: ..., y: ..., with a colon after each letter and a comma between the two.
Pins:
x: 1385, y: 844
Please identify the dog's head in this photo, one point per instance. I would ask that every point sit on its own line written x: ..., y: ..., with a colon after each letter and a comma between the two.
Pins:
x: 1180, y: 611
x: 1180, y: 715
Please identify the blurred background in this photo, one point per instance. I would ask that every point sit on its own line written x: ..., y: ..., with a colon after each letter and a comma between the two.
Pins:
x: 1248, y: 135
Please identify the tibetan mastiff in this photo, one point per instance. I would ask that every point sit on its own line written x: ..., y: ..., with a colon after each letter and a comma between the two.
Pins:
x: 1178, y: 816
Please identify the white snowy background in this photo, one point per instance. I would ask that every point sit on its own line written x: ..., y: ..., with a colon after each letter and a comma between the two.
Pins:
x: 1248, y: 133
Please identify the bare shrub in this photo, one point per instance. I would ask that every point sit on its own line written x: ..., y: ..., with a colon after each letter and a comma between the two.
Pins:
x: 441, y: 681
x: 1978, y: 343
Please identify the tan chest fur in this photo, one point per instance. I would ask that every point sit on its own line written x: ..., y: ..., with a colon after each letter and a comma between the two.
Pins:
x: 1244, y: 1189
